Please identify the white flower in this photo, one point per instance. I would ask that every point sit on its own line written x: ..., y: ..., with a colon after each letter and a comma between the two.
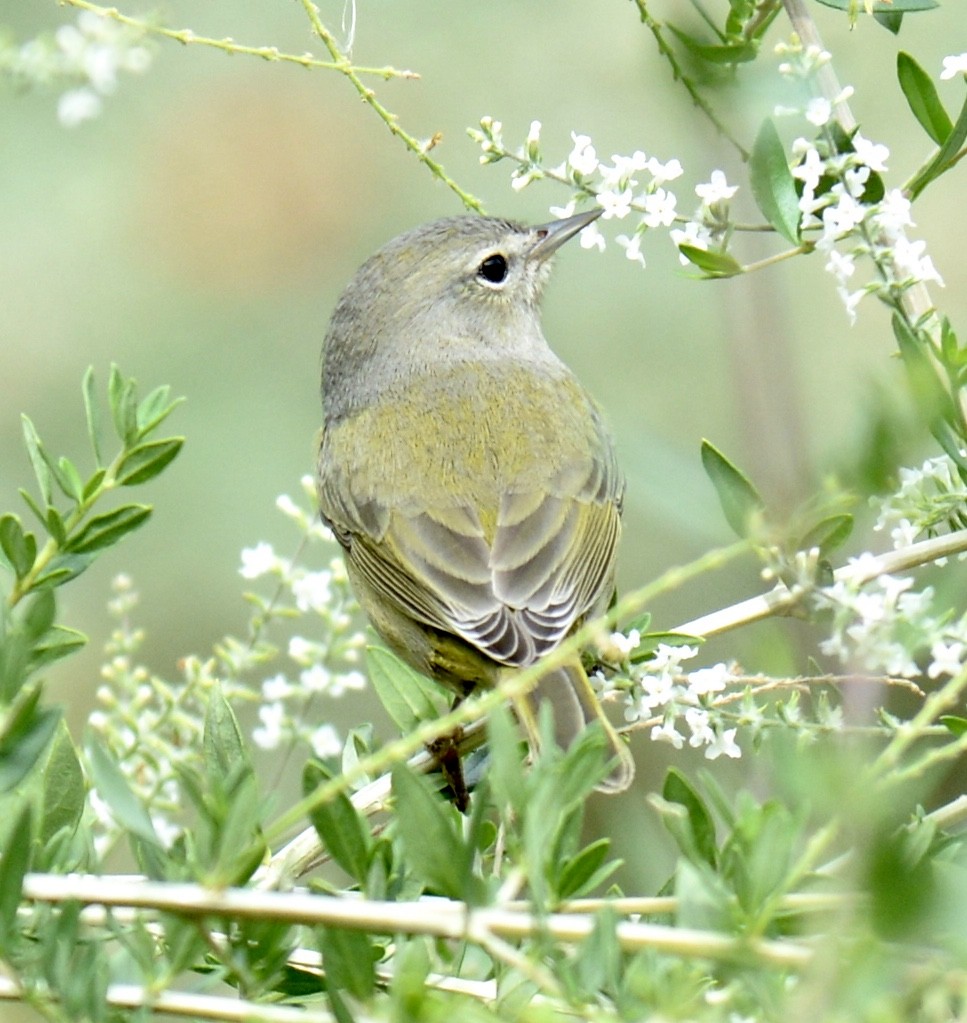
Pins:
x: 592, y: 238
x: 315, y: 679
x: 873, y: 154
x: 313, y: 591
x: 564, y: 211
x: 694, y: 234
x: 276, y: 688
x: 523, y: 176
x: 301, y: 650
x: 698, y: 721
x: 843, y: 215
x: 945, y: 659
x: 621, y: 645
x: 842, y: 266
x: 78, y: 105
x: 288, y: 507
x: 893, y: 211
x: 662, y: 172
x: 632, y: 246
x: 667, y: 732
x: 910, y: 260
x: 716, y: 189
x: 619, y: 175
x: 614, y: 204
x: 659, y: 209
x: 325, y: 742
x: 582, y: 158
x: 818, y: 111
x: 268, y: 734
x: 723, y: 744
x: 258, y: 560
x: 709, y: 680
x: 956, y: 65
x: 904, y: 534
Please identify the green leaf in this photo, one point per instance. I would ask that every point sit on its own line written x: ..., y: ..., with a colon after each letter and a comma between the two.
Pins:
x: 24, y: 739
x: 107, y: 529
x: 63, y: 568
x: 827, y: 535
x: 145, y: 461
x: 39, y: 616
x: 426, y: 829
x: 69, y: 479
x: 63, y: 787
x: 678, y: 789
x: 945, y: 157
x: 402, y: 691
x: 14, y: 861
x: 890, y: 20
x: 714, y: 264
x: 155, y: 409
x: 585, y: 871
x: 124, y: 409
x: 740, y: 501
x: 921, y: 95
x: 349, y: 961
x: 222, y: 739
x: 19, y: 546
x: 928, y: 388
x: 954, y: 724
x: 39, y: 461
x: 113, y: 788
x: 886, y: 6
x: 93, y: 485
x: 772, y: 183
x: 339, y: 825
x: 93, y: 414
x: 724, y: 53
x: 55, y: 526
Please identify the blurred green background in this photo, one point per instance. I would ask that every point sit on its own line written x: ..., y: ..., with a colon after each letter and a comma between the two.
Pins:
x: 199, y: 232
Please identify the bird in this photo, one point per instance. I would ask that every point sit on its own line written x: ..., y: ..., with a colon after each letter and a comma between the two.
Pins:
x: 466, y: 473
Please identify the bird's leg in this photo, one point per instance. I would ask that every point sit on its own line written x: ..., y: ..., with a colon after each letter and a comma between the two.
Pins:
x: 446, y: 751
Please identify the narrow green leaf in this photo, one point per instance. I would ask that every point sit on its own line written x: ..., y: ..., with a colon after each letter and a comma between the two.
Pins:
x: 113, y: 788
x: 58, y: 642
x: 339, y: 825
x: 145, y: 461
x: 19, y: 546
x: 107, y: 529
x: 349, y: 961
x: 725, y: 53
x: 55, y: 526
x: 772, y: 183
x: 921, y: 95
x: 63, y: 568
x: 63, y: 787
x: 678, y: 789
x: 67, y: 472
x: 890, y: 20
x: 740, y: 501
x: 827, y: 535
x: 39, y: 616
x: 32, y: 504
x: 93, y: 412
x: 14, y: 861
x: 22, y: 747
x: 714, y: 264
x: 582, y: 868
x: 401, y: 690
x: 92, y: 486
x: 124, y: 407
x: 432, y: 846
x: 944, y: 158
x: 928, y: 388
x: 155, y: 408
x: 222, y: 740
x: 38, y: 460
x: 954, y: 724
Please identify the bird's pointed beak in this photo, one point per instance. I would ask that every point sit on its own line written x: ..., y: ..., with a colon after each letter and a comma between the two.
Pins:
x: 550, y: 237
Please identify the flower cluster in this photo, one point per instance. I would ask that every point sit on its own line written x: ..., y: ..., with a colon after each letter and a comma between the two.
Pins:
x: 153, y: 727
x: 627, y: 185
x: 85, y: 58
x: 662, y: 689
x: 325, y: 666
x: 883, y: 625
x: 928, y: 500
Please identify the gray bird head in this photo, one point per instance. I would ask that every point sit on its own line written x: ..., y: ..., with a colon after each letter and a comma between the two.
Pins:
x: 460, y: 289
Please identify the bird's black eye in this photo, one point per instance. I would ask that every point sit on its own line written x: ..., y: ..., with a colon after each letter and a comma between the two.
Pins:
x: 493, y: 269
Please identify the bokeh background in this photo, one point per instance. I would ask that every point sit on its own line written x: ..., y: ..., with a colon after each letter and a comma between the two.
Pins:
x: 199, y: 232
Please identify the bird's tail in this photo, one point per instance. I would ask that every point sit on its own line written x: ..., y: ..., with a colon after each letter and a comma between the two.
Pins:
x: 575, y: 705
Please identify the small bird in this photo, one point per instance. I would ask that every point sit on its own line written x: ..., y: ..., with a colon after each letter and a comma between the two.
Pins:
x: 466, y: 473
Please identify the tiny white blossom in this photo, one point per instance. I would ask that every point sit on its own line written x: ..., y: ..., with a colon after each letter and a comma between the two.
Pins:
x: 258, y: 560
x: 78, y: 105
x: 623, y: 645
x: 709, y: 680
x: 894, y: 211
x: 818, y: 111
x: 667, y: 732
x: 659, y: 209
x: 582, y: 158
x: 325, y: 742
x: 313, y: 591
x: 723, y: 744
x: 301, y: 650
x: 842, y: 266
x: 955, y: 65
x: 632, y: 246
x: 945, y: 659
x: 716, y: 189
x: 564, y: 211
x: 693, y: 233
x: 873, y: 154
x: 268, y: 734
x: 276, y: 688
x: 614, y: 204
x: 315, y: 679
x: 662, y: 172
x: 592, y: 238
x: 288, y: 507
x: 698, y: 721
x: 910, y: 259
